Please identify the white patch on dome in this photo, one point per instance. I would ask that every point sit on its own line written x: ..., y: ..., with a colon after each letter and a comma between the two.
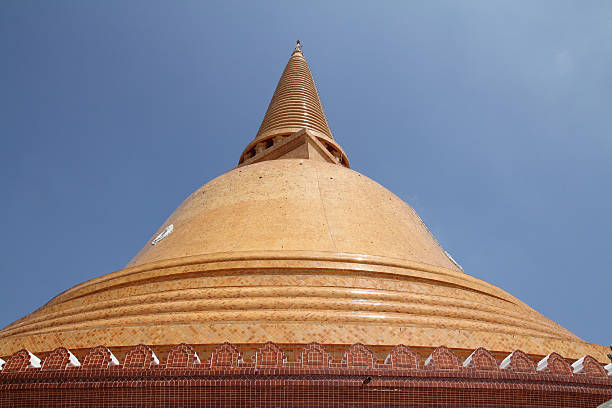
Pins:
x: 453, y: 259
x: 167, y: 231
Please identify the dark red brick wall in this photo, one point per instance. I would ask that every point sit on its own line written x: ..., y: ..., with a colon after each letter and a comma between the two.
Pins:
x: 190, y: 388
x: 312, y: 380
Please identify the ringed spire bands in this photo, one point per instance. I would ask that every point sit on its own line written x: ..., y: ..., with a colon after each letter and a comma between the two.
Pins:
x: 295, y: 105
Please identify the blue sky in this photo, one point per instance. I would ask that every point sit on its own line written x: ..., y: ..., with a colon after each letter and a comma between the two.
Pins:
x: 491, y: 118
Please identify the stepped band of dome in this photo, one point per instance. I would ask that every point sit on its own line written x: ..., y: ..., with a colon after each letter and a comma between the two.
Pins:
x: 333, y: 300
x: 131, y: 299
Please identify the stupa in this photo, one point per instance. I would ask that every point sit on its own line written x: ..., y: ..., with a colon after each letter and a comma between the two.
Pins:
x: 292, y: 253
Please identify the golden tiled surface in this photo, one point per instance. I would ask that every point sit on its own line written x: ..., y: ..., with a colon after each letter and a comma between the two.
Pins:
x: 290, y: 297
x: 302, y: 333
x: 301, y: 205
x: 292, y: 251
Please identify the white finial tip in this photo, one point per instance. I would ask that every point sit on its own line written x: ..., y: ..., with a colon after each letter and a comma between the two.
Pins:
x: 298, y: 47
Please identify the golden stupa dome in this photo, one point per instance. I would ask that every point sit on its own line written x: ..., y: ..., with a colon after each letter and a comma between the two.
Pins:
x: 296, y: 205
x: 292, y: 246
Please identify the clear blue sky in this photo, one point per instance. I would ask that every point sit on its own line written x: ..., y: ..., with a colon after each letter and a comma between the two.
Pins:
x: 491, y: 118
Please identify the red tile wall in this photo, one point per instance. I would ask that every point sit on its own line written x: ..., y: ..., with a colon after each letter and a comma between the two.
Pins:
x: 98, y: 357
x: 359, y: 381
x: 56, y: 360
x: 140, y: 356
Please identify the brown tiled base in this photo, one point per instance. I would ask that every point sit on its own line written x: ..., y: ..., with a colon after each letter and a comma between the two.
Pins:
x: 297, y: 388
x: 310, y: 378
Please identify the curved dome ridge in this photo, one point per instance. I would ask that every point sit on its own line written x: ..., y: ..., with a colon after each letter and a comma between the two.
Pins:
x: 296, y: 205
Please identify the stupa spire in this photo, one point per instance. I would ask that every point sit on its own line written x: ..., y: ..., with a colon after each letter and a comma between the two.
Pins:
x: 295, y: 104
x: 295, y: 107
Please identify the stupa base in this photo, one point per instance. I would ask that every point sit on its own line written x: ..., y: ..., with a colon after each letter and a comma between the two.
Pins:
x: 311, y: 377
